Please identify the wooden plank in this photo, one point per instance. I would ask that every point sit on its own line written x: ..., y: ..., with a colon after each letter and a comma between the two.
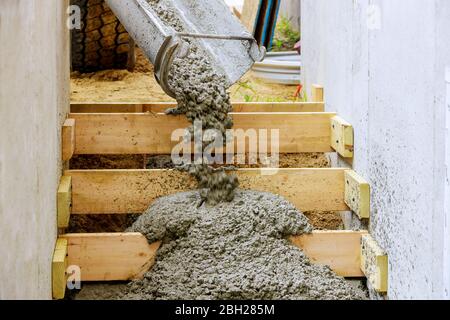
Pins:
x: 317, y: 93
x: 236, y: 12
x: 357, y: 194
x: 68, y: 139
x: 111, y: 256
x: 342, y: 137
x: 279, y: 107
x: 59, y: 266
x: 161, y: 107
x: 249, y: 14
x: 126, y: 256
x: 147, y: 133
x: 133, y: 191
x: 64, y: 201
x: 338, y: 249
x: 374, y: 264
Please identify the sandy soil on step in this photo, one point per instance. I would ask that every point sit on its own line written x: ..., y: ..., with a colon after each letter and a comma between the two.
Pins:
x: 141, y: 86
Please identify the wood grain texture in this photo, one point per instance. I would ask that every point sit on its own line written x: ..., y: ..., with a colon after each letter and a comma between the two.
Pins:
x: 111, y: 256
x: 374, y: 264
x: 357, y: 194
x: 133, y: 191
x: 126, y: 256
x: 338, y: 249
x: 342, y: 137
x: 68, y: 139
x: 161, y: 107
x: 64, y: 201
x: 59, y: 266
x: 249, y: 14
x: 148, y: 133
x: 317, y: 93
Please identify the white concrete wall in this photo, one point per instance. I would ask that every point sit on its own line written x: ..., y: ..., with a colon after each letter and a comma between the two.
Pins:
x: 383, y: 64
x: 447, y: 195
x: 34, y: 71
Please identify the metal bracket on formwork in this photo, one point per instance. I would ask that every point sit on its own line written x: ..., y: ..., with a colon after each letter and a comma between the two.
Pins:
x: 59, y: 267
x: 374, y: 264
x: 357, y: 194
x: 342, y: 137
x: 64, y: 200
x: 68, y: 139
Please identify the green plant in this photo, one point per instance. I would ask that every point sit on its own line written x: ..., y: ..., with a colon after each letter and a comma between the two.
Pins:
x: 274, y: 99
x: 285, y: 35
x: 244, y: 86
x: 248, y: 98
x: 245, y: 89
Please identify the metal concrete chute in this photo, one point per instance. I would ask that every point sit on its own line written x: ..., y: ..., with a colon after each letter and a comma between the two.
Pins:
x: 232, y: 50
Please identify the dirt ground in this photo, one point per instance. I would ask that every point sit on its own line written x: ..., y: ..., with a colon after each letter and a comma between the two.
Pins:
x: 141, y: 86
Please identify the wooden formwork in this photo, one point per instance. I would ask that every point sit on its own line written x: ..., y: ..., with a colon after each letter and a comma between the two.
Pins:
x: 127, y: 256
x: 161, y: 107
x: 131, y: 191
x: 118, y: 256
x: 150, y: 133
x: 126, y: 128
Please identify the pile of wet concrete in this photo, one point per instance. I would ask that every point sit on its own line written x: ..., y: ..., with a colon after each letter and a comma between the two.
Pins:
x: 234, y: 250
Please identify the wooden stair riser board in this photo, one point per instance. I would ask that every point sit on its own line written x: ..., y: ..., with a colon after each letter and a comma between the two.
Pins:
x: 147, y: 133
x: 127, y: 256
x: 133, y: 191
x: 161, y: 107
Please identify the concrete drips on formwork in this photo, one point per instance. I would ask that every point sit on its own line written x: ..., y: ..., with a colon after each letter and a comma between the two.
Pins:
x: 235, y: 250
x: 201, y: 96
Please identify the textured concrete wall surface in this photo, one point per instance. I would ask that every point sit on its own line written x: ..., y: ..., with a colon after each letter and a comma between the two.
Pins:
x: 383, y: 65
x: 446, y: 248
x: 34, y: 71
